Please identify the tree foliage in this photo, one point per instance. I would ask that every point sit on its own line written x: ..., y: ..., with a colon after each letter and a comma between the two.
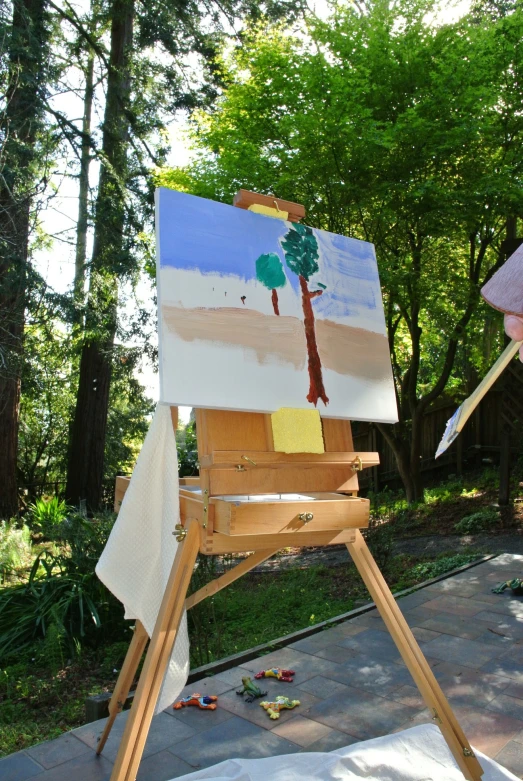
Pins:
x: 141, y: 63
x: 395, y: 129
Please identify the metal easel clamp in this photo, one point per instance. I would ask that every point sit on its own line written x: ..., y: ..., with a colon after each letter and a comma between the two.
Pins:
x: 180, y: 532
x: 467, y: 752
x: 357, y: 465
x: 241, y: 468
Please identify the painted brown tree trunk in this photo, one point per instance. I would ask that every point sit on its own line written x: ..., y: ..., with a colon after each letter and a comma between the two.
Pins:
x: 88, y: 432
x: 20, y: 122
x: 316, y: 389
x: 275, y: 304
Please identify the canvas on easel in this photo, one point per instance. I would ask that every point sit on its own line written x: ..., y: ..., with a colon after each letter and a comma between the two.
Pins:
x: 250, y: 496
x: 278, y: 313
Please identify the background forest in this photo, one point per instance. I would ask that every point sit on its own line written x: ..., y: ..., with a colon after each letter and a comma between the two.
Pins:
x: 399, y: 122
x: 388, y: 122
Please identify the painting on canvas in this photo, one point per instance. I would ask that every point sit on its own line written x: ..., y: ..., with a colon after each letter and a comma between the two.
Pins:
x: 257, y: 313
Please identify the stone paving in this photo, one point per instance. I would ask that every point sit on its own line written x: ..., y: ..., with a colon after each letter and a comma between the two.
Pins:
x: 352, y: 686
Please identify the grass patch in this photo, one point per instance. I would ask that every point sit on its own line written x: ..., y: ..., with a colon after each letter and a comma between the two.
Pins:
x: 426, y: 570
x: 262, y: 607
x: 38, y: 703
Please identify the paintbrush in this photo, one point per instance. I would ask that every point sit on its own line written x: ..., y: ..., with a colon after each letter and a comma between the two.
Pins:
x: 463, y: 413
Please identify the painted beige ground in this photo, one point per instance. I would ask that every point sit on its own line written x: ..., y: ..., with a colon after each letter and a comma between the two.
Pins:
x: 345, y: 350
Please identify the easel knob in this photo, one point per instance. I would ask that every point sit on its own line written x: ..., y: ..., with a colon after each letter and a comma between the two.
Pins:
x: 306, y: 517
x: 180, y: 532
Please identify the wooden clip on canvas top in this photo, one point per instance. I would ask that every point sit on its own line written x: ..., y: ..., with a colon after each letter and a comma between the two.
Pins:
x: 245, y: 198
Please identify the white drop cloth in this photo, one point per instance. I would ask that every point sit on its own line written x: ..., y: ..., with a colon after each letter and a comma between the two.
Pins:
x: 138, y: 557
x: 416, y: 754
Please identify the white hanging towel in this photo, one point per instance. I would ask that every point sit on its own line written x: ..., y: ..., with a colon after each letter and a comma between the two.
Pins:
x: 140, y: 551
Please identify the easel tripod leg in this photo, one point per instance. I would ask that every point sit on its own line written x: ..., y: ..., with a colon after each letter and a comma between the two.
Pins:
x: 125, y: 679
x: 158, y: 655
x: 414, y: 659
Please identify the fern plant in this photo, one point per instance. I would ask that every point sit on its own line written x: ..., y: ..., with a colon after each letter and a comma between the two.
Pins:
x: 46, y: 515
x: 63, y: 591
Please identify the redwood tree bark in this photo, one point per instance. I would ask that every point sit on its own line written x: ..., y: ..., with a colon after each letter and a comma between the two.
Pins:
x: 19, y: 127
x: 88, y: 432
x: 316, y: 389
x: 83, y: 195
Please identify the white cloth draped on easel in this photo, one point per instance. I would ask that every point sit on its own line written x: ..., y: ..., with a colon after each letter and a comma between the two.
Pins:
x: 138, y: 557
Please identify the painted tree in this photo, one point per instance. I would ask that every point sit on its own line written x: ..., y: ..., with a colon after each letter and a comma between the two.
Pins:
x: 269, y: 271
x: 301, y: 255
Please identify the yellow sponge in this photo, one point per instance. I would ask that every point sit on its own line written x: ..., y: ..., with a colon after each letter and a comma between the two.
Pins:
x: 268, y: 211
x: 297, y: 431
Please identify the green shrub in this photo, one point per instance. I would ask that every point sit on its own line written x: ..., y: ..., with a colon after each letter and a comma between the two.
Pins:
x: 480, y: 521
x: 187, y: 450
x: 45, y: 515
x: 380, y: 539
x: 426, y: 570
x: 55, y: 643
x: 63, y: 592
x: 114, y: 655
x: 15, y: 548
x: 81, y: 541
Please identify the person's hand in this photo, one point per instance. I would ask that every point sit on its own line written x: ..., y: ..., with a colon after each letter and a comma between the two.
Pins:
x: 514, y: 329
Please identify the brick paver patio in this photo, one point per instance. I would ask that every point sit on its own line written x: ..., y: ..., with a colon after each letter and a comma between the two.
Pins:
x: 352, y: 686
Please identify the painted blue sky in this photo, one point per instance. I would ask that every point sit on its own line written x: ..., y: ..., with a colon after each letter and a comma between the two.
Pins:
x: 214, y: 238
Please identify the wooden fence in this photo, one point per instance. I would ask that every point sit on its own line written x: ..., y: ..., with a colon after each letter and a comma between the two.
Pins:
x: 480, y: 442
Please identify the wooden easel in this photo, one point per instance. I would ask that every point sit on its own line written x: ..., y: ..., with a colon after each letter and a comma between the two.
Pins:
x: 237, y: 461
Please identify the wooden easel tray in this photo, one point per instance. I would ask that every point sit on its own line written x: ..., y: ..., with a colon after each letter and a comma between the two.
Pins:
x: 273, y: 514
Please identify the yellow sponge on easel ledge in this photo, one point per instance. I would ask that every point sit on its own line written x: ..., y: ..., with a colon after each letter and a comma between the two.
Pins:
x: 297, y: 431
x: 268, y: 211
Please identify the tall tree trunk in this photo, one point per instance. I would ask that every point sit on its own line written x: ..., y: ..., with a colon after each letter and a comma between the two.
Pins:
x: 406, y: 446
x: 83, y: 195
x: 316, y: 389
x: 275, y: 304
x: 88, y: 433
x: 20, y: 124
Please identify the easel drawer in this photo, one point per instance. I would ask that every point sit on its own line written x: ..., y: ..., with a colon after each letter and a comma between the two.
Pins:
x: 342, y: 512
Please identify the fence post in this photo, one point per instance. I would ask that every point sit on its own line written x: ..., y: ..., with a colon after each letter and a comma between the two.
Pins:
x: 504, y: 467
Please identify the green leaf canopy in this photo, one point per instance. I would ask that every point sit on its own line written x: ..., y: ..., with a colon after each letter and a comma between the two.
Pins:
x: 269, y: 271
x: 301, y: 250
